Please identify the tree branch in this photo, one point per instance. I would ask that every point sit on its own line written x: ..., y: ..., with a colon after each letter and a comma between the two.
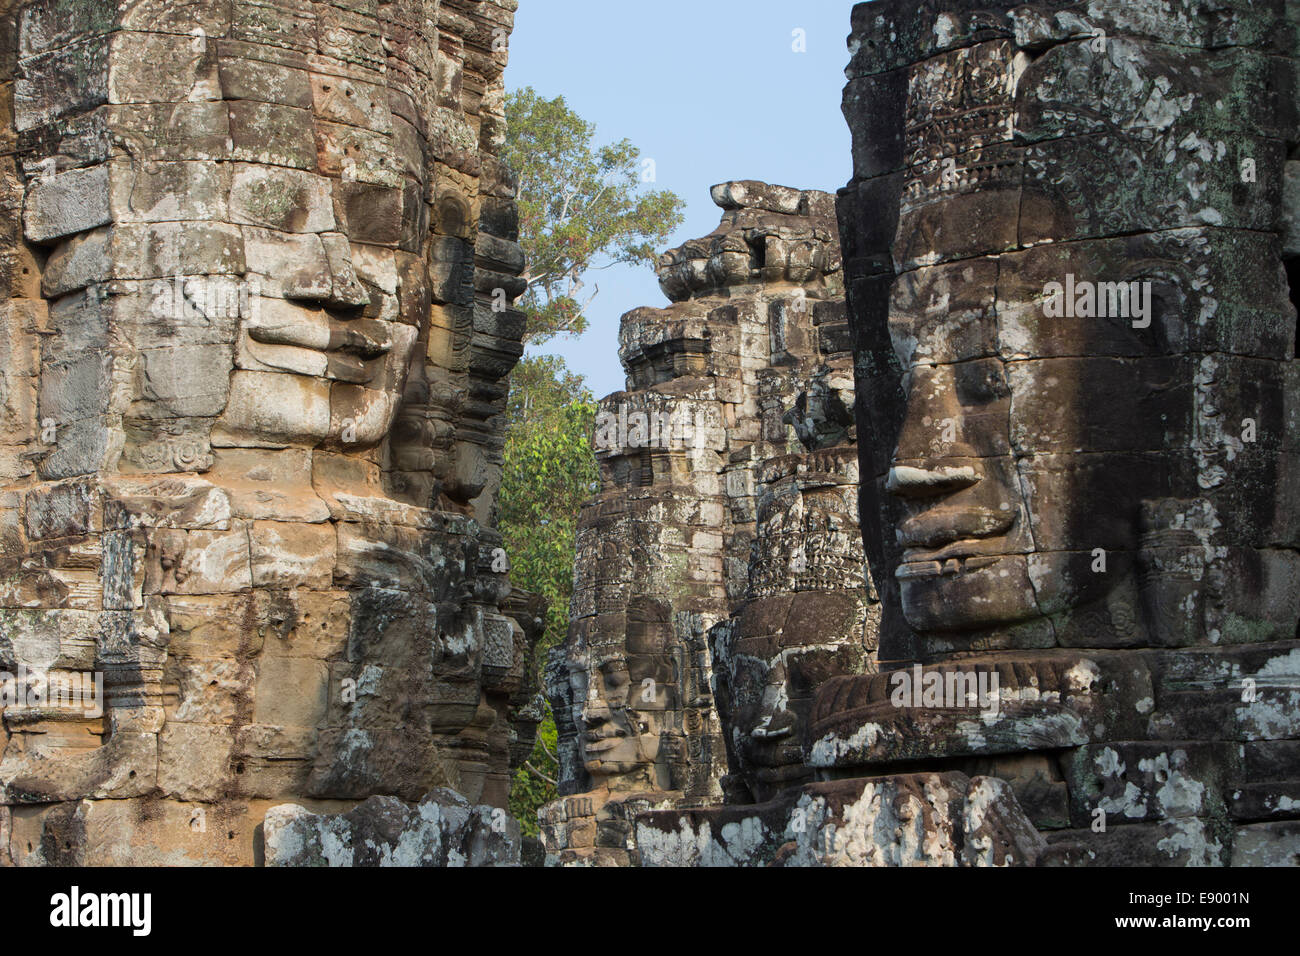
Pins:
x: 537, y: 773
x: 544, y: 279
x: 568, y: 198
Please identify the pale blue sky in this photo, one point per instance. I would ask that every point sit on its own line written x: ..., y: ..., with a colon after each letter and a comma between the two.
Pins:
x: 711, y: 90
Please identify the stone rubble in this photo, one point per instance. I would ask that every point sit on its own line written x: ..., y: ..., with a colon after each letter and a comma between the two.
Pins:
x: 916, y: 820
x: 443, y: 830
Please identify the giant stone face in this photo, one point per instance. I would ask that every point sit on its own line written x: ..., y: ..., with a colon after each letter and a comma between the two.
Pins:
x: 1073, y: 294
x: 631, y: 698
x: 324, y: 356
x: 1020, y: 466
x: 250, y: 293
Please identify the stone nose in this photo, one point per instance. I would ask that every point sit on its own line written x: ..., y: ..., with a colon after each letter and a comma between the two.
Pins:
x: 765, y: 731
x: 327, y: 276
x: 930, y: 482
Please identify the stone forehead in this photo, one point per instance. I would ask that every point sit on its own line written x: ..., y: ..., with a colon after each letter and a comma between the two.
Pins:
x: 1203, y: 291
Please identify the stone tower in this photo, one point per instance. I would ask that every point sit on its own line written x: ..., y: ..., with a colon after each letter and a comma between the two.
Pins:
x: 725, y: 531
x: 1070, y: 250
x: 253, y: 382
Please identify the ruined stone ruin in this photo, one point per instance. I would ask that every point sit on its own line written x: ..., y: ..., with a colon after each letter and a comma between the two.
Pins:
x: 1066, y: 246
x: 723, y: 550
x: 1066, y: 250
x: 253, y: 384
x: 949, y: 522
x: 1096, y: 503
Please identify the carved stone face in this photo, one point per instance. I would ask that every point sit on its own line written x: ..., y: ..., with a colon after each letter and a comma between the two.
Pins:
x: 770, y: 682
x: 807, y: 620
x: 966, y: 537
x: 630, y: 697
x: 1031, y: 438
x: 617, y: 741
x: 267, y: 254
x: 311, y: 373
x: 258, y: 231
x: 1081, y: 499
x: 324, y: 354
x: 1030, y: 442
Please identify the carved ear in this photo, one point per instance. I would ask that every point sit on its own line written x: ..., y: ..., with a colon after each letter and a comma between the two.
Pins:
x: 452, y: 217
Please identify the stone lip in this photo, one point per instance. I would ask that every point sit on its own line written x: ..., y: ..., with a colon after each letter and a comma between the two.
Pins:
x: 936, y: 819
x: 443, y: 830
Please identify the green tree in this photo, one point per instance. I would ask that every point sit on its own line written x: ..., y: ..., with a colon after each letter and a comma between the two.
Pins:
x: 550, y: 469
x: 581, y: 208
x: 534, y: 783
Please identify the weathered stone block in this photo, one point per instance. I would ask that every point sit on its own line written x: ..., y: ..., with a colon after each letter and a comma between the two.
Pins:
x: 292, y: 555
x: 920, y: 820
x: 287, y: 200
x: 68, y: 203
x: 442, y: 831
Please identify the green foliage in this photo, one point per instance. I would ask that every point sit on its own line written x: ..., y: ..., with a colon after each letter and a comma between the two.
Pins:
x: 550, y: 469
x: 580, y: 208
x: 529, y: 792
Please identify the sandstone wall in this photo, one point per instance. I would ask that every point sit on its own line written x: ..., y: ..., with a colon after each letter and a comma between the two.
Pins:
x: 1091, y: 502
x: 253, y: 375
x: 1069, y: 248
x: 728, y: 487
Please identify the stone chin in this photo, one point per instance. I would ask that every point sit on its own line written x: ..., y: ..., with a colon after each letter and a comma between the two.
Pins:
x: 774, y: 762
x: 767, y: 782
x: 966, y: 594
x: 601, y: 769
x: 769, y: 766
